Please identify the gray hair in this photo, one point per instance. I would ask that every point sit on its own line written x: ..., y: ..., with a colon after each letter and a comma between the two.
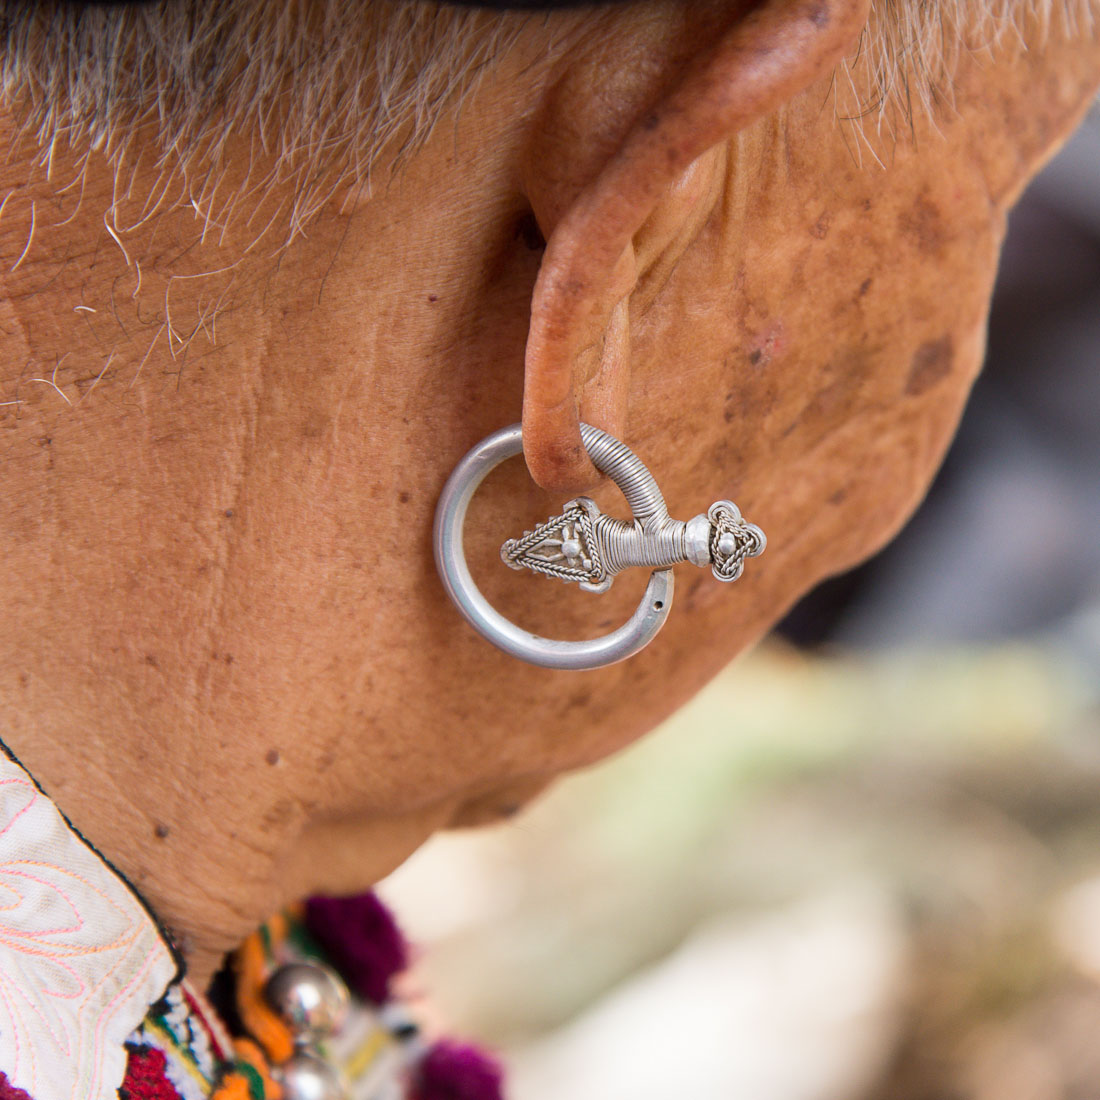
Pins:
x: 320, y: 90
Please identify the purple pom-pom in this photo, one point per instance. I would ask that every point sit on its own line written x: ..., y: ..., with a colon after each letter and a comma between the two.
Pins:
x: 9, y: 1092
x: 362, y: 941
x: 451, y: 1071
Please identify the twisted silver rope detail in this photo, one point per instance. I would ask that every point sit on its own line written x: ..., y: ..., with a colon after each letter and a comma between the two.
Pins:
x: 626, y: 469
x: 601, y: 546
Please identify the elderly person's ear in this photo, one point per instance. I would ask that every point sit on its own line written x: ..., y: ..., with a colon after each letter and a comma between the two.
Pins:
x: 626, y: 166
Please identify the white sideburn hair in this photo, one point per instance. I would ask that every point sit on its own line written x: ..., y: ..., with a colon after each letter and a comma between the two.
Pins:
x: 322, y: 89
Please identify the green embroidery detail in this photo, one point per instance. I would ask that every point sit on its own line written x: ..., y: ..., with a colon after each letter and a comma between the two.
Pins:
x: 255, y: 1081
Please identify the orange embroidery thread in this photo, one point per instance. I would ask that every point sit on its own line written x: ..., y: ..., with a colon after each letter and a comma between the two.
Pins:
x: 259, y: 1020
x: 234, y: 1087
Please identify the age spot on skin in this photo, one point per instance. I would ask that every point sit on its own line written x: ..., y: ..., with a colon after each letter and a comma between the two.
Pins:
x: 316, y: 424
x: 820, y: 229
x: 932, y: 363
x: 271, y: 757
x: 924, y: 226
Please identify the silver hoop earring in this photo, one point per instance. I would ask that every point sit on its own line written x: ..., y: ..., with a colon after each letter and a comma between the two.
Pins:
x: 582, y: 545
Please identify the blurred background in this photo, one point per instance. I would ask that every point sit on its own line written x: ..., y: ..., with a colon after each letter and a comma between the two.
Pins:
x: 865, y: 863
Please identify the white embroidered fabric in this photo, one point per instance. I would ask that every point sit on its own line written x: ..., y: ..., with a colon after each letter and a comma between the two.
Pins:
x: 81, y: 961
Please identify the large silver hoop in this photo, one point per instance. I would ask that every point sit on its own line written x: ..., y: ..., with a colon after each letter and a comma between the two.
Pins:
x: 585, y: 547
x: 610, y: 457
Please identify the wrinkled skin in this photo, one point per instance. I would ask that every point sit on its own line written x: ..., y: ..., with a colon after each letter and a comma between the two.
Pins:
x: 225, y: 651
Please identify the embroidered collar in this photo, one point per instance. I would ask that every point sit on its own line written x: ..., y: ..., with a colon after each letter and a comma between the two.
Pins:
x: 81, y: 958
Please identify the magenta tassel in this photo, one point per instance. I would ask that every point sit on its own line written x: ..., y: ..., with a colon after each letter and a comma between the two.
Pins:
x: 9, y: 1092
x: 362, y: 941
x: 451, y: 1071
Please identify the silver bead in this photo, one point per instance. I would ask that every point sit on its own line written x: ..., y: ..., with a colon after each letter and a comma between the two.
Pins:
x: 306, y: 1077
x: 310, y: 998
x: 697, y: 540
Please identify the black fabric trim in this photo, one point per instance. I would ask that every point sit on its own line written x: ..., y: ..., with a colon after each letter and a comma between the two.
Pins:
x: 177, y: 958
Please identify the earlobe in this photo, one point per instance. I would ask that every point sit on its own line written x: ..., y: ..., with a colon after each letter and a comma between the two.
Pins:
x: 640, y: 206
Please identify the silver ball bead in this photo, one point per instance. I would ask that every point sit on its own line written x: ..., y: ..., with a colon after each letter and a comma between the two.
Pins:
x: 727, y: 544
x: 310, y: 998
x: 304, y: 1076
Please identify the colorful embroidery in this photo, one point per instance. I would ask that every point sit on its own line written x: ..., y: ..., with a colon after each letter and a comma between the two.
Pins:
x: 181, y: 1052
x: 146, y: 1076
x: 188, y: 1052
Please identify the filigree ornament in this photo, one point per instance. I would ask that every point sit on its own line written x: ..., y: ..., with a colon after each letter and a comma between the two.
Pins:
x: 563, y: 547
x: 732, y: 540
x: 587, y: 547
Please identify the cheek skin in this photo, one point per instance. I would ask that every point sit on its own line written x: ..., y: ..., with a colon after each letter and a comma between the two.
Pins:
x: 818, y: 384
x: 249, y: 598
x: 813, y: 375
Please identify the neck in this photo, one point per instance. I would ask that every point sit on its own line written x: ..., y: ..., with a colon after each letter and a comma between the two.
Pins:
x: 224, y: 458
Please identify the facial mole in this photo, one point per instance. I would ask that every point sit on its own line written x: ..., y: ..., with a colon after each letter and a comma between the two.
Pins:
x: 272, y: 757
x: 820, y: 229
x: 161, y: 831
